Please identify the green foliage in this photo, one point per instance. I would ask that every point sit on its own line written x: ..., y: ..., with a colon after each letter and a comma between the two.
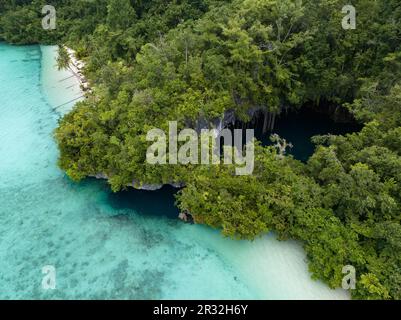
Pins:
x: 63, y: 58
x: 372, y: 288
x: 155, y: 61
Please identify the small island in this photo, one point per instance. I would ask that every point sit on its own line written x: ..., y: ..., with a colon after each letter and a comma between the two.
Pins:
x: 218, y: 65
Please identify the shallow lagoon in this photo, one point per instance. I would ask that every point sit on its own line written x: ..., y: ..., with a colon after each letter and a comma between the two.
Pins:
x: 111, y: 246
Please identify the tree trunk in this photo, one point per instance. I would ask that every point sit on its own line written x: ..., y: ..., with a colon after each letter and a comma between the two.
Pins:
x: 265, y: 122
x: 273, y: 122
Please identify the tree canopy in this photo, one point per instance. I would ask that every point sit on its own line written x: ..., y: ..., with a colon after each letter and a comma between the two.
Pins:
x: 151, y: 62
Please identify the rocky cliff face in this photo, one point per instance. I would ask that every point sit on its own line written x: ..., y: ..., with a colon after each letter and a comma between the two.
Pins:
x: 227, y: 119
x: 219, y: 123
x: 154, y: 187
x: 143, y: 186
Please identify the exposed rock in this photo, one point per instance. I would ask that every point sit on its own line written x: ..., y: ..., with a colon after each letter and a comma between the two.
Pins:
x: 219, y: 123
x: 154, y: 187
x: 177, y: 185
x: 101, y: 176
x: 186, y: 217
x: 76, y: 66
x: 183, y: 216
x: 143, y: 186
x: 229, y: 118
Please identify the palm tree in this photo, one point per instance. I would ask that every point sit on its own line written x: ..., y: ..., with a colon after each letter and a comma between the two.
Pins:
x: 63, y: 59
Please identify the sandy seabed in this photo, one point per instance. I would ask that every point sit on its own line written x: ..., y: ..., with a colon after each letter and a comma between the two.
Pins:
x: 101, y: 246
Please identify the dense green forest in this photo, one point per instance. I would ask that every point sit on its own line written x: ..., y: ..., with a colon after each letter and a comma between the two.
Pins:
x: 150, y: 62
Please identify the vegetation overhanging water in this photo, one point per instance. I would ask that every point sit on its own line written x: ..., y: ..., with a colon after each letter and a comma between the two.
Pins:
x: 104, y: 245
x: 157, y: 61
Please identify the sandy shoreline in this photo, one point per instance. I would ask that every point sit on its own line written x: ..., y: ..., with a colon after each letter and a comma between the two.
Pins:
x: 271, y: 269
x: 62, y: 88
x: 76, y: 66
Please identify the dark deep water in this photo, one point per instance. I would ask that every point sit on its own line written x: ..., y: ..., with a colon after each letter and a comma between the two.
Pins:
x: 298, y: 127
x: 159, y: 203
x: 112, y: 246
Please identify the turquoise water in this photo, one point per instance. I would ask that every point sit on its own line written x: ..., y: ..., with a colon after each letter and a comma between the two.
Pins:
x: 60, y: 87
x: 111, y: 246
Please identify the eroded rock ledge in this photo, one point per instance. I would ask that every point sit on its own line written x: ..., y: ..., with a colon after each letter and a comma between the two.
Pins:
x: 143, y: 186
x: 228, y: 118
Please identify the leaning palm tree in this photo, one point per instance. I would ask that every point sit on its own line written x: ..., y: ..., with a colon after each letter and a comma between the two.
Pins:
x: 63, y: 59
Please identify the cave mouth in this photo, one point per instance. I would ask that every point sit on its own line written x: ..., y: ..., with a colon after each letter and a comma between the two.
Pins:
x: 298, y: 126
x: 143, y: 202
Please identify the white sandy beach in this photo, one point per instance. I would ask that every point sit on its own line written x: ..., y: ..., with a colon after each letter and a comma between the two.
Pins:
x: 270, y: 269
x: 275, y: 269
x: 52, y: 79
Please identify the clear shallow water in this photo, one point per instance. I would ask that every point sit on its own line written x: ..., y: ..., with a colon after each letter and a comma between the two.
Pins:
x: 61, y: 88
x: 111, y: 246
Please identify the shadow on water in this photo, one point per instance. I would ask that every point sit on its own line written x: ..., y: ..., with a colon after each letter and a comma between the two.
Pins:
x: 159, y: 203
x: 298, y: 127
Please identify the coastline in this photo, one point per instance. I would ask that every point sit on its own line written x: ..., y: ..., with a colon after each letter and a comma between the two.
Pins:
x: 269, y: 268
x: 76, y: 67
x: 275, y: 270
x: 52, y: 80
x: 116, y: 245
x: 257, y: 261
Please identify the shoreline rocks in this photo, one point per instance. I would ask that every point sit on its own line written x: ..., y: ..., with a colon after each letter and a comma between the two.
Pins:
x: 186, y: 217
x: 144, y: 186
x: 77, y: 66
